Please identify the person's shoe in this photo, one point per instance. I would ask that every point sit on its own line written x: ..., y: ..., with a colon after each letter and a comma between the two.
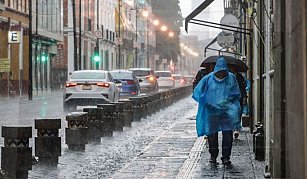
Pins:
x: 226, y: 161
x: 236, y: 134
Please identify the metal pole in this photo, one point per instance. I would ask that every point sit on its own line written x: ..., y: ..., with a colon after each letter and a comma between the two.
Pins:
x: 73, y: 2
x: 30, y: 92
x: 20, y: 59
x: 119, y: 19
x: 136, y: 35
x: 9, y: 58
x: 97, y: 41
x: 80, y: 34
x: 147, y: 37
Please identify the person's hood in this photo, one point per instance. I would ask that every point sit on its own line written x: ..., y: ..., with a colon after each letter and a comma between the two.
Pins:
x: 221, y: 65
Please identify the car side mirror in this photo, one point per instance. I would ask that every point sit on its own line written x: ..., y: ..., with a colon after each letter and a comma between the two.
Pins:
x: 140, y: 80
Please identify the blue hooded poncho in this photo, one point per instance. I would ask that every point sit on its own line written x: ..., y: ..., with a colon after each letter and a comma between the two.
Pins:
x: 219, y: 106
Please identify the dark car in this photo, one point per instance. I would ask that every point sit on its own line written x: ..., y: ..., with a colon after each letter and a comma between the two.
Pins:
x: 148, y: 79
x: 128, y: 83
x: 188, y: 79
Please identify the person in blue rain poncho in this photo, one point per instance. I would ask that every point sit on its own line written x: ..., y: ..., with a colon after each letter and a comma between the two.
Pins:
x: 218, y: 96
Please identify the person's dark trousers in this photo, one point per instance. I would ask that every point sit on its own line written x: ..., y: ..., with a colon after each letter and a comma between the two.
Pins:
x: 226, y: 144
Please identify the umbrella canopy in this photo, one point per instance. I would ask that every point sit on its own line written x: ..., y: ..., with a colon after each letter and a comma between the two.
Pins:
x: 239, y: 65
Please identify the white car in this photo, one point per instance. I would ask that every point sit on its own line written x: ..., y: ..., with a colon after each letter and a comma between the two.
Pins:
x: 89, y: 87
x: 165, y: 79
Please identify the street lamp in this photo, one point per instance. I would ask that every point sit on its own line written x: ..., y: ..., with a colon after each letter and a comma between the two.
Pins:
x: 145, y: 13
x: 156, y: 22
x: 163, y: 28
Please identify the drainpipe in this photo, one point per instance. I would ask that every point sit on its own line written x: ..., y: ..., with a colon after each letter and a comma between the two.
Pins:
x: 30, y: 87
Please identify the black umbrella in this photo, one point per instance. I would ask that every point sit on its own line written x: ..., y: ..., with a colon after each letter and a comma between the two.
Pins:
x: 238, y: 64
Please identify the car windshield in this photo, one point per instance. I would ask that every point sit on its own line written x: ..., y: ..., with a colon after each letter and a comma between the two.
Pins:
x: 88, y: 75
x: 118, y: 75
x: 177, y: 77
x: 141, y: 73
x: 189, y: 78
x: 164, y: 74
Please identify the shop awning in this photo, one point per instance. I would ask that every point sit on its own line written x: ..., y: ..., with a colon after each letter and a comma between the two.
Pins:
x: 197, y: 11
x: 191, y: 19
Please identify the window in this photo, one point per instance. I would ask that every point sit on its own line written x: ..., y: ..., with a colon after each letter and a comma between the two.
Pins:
x: 88, y: 75
x: 89, y: 21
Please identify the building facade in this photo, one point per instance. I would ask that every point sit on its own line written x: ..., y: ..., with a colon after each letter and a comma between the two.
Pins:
x: 14, y: 16
x: 95, y: 29
x: 47, y: 51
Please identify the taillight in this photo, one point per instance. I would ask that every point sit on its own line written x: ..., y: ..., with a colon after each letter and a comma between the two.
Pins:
x: 105, y: 85
x: 150, y: 78
x: 130, y: 82
x: 70, y: 84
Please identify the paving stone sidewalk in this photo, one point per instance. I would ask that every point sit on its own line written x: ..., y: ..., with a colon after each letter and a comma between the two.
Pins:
x: 242, y: 158
x: 178, y: 153
x: 164, y: 157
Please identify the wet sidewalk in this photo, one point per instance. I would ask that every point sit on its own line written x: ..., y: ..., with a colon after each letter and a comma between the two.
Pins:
x: 178, y: 153
x: 242, y: 158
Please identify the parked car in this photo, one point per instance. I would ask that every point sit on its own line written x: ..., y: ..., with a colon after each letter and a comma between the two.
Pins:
x: 188, y: 79
x: 89, y: 87
x: 147, y: 78
x: 178, y: 80
x: 165, y: 79
x: 129, y: 84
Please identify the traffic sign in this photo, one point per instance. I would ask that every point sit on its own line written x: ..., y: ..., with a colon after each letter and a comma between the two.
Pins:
x: 98, y: 33
x: 14, y: 37
x: 4, y: 65
x: 119, y: 41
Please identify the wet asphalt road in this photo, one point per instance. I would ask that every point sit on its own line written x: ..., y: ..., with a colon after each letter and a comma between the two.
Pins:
x: 99, y: 160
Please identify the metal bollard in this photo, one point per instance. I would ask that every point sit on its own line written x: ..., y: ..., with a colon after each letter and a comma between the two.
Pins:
x: 254, y: 135
x: 128, y: 112
x: 16, y: 155
x: 94, y: 124
x: 158, y: 106
x: 77, y: 131
x: 145, y: 108
x: 48, y: 142
x: 137, y: 108
x: 108, y: 119
x: 150, y: 104
x: 162, y: 100
x: 259, y: 142
x: 119, y: 117
x: 157, y: 102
